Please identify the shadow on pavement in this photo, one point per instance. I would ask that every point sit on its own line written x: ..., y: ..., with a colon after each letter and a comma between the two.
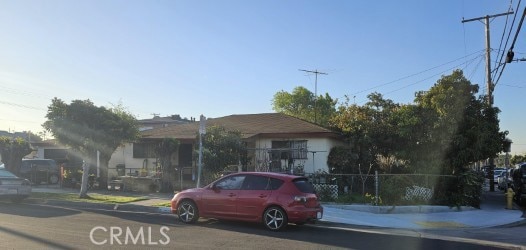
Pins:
x: 28, y: 210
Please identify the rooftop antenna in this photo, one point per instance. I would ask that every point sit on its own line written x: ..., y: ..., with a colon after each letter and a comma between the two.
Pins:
x: 316, y: 73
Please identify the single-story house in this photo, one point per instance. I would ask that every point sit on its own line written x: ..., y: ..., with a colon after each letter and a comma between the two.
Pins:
x: 275, y: 142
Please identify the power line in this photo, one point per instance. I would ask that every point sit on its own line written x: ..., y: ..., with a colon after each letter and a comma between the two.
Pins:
x: 467, y: 63
x: 440, y: 73
x: 418, y: 73
x: 502, y: 37
x: 507, y: 40
x: 21, y: 105
x: 486, y: 19
x: 509, y: 56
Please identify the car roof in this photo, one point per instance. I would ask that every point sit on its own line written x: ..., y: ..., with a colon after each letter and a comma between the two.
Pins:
x: 272, y: 174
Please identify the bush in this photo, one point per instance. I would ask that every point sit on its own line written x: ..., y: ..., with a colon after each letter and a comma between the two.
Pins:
x: 325, y: 194
x: 393, y: 188
x: 463, y: 190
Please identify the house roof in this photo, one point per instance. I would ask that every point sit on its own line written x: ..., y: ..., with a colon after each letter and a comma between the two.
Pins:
x: 250, y: 125
x: 47, y: 143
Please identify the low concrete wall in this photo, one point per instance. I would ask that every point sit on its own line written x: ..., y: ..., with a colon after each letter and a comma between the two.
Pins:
x: 138, y: 184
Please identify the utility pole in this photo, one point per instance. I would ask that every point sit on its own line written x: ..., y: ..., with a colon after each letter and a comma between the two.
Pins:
x: 489, y: 83
x: 316, y: 73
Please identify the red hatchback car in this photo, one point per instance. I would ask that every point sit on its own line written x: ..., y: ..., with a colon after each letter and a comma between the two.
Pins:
x: 271, y: 198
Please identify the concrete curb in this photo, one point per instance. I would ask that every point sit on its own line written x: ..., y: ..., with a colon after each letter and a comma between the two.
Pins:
x: 400, y: 209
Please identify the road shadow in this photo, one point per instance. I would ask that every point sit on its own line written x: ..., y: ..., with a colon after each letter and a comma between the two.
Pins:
x: 346, y: 238
x: 28, y: 237
x: 35, y: 210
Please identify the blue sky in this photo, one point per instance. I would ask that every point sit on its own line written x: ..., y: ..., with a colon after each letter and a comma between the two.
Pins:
x: 219, y: 58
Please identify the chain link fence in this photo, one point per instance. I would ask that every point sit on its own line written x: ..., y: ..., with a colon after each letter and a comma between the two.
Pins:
x: 378, y: 188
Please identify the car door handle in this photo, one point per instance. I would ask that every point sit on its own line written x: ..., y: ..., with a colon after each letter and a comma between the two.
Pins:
x: 231, y: 195
x: 262, y: 195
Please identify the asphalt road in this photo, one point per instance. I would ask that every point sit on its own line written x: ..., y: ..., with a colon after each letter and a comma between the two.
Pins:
x: 38, y: 226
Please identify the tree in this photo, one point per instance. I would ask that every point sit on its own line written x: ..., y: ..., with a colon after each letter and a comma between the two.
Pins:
x: 301, y: 103
x: 12, y: 151
x: 340, y: 160
x: 515, y: 159
x: 220, y: 149
x: 369, y: 129
x: 89, y: 129
x: 464, y: 128
x: 164, y: 151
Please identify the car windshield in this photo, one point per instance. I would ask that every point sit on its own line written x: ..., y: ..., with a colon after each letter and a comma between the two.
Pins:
x: 5, y: 173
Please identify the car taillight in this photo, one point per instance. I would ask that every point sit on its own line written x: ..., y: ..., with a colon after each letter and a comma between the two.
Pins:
x: 300, y: 199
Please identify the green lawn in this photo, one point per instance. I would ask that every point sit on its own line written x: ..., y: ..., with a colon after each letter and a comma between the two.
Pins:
x: 94, y: 198
x: 162, y: 204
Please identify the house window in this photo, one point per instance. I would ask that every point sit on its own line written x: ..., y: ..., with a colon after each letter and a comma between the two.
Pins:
x: 289, y: 149
x: 144, y: 150
x: 299, y: 149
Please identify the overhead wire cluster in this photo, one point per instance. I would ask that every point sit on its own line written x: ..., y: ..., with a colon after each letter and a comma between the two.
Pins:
x: 507, y: 56
x: 461, y: 63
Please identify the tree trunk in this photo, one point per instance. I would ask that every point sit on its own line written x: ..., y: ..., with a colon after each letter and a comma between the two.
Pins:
x: 167, y: 176
x: 103, y: 178
x: 84, y: 185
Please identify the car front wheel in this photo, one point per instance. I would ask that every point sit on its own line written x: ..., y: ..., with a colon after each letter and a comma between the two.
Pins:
x: 187, y: 212
x: 275, y: 218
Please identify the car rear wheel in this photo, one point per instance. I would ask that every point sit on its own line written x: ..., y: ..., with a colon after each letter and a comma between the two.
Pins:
x: 187, y: 212
x: 275, y: 218
x: 53, y: 179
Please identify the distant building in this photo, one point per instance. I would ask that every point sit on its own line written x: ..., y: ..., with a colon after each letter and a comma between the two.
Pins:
x: 162, y: 122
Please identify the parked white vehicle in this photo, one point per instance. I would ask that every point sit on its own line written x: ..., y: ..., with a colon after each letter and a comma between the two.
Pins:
x: 504, y: 181
x: 496, y: 174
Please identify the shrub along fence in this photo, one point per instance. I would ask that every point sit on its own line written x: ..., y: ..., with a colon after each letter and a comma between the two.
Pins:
x: 394, y: 189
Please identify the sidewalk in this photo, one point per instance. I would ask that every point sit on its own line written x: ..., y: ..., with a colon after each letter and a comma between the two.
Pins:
x: 492, y: 213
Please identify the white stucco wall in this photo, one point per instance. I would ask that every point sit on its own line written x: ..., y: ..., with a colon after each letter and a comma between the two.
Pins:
x: 314, y: 162
x: 318, y: 151
x: 124, y: 155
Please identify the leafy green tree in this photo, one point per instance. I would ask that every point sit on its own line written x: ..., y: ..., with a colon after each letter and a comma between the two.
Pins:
x: 368, y: 128
x: 515, y: 159
x: 32, y: 137
x: 12, y: 151
x: 87, y: 129
x: 464, y: 128
x: 340, y: 160
x: 164, y: 152
x: 302, y: 103
x: 221, y: 148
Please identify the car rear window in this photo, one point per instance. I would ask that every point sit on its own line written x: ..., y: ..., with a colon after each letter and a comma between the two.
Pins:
x: 304, y: 185
x: 275, y: 184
